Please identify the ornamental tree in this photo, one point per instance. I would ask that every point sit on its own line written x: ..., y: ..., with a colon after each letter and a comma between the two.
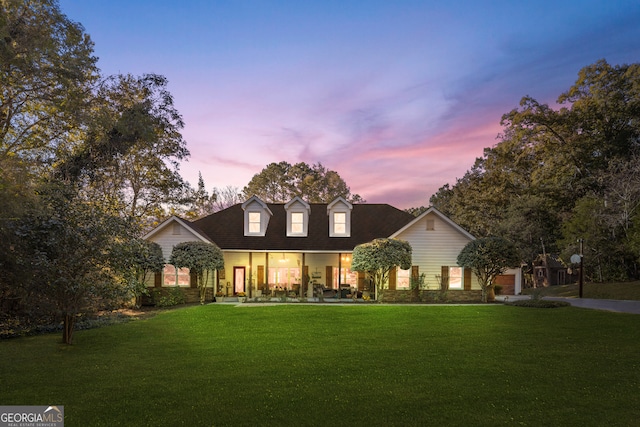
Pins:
x: 200, y: 258
x: 488, y: 257
x: 135, y: 259
x: 379, y: 257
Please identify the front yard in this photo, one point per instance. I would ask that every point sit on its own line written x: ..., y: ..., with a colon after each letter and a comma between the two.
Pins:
x: 337, y: 365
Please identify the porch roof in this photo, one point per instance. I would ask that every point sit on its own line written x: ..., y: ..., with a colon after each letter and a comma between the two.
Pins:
x: 368, y: 222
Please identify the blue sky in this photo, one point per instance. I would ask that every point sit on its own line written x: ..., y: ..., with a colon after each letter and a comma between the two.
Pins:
x: 398, y: 97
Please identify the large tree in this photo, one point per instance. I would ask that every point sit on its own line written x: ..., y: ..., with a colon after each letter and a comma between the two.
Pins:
x: 281, y: 182
x: 85, y: 162
x: 130, y: 147
x: 547, y: 159
x: 379, y: 257
x: 488, y: 257
x: 47, y: 68
x: 67, y: 247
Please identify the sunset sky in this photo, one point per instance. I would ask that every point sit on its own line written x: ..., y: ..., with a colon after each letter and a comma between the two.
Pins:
x: 399, y: 97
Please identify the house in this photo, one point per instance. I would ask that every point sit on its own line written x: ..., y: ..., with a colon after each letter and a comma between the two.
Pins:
x: 549, y: 270
x: 271, y: 248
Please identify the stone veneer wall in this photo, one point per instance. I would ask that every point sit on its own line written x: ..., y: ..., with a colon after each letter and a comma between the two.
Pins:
x: 452, y: 296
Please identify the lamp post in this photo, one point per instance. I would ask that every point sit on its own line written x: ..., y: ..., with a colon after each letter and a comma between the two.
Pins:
x: 581, y: 269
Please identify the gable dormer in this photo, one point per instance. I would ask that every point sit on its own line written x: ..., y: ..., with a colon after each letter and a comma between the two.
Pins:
x: 297, y: 217
x: 256, y: 217
x: 339, y: 212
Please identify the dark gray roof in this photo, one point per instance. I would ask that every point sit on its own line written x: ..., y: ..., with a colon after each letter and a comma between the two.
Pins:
x: 368, y: 222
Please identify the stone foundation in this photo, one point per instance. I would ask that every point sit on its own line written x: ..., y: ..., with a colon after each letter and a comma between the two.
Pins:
x: 431, y: 297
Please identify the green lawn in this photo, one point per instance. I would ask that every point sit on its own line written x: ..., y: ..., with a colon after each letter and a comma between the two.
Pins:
x: 338, y: 365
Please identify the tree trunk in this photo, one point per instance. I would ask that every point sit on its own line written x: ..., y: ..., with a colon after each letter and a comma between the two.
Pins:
x: 67, y: 328
x: 491, y: 294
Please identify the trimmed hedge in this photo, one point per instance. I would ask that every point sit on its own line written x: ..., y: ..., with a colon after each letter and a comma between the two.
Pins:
x: 539, y: 303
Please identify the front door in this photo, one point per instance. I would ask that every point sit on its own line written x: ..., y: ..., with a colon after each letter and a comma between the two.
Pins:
x: 238, y: 279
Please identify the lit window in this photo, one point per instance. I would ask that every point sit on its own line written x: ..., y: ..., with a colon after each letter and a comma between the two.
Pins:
x: 254, y: 222
x: 402, y: 281
x: 297, y: 222
x: 455, y: 277
x: 175, y: 278
x: 339, y: 223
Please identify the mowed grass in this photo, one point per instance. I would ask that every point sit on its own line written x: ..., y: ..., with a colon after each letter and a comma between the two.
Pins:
x: 352, y: 365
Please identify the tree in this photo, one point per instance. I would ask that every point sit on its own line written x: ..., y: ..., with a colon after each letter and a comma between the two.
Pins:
x: 47, y: 68
x: 135, y: 259
x: 488, y: 257
x: 379, y: 257
x: 129, y: 149
x: 548, y: 159
x: 225, y: 197
x: 67, y: 246
x: 202, y: 204
x: 416, y: 211
x: 281, y: 182
x: 200, y: 258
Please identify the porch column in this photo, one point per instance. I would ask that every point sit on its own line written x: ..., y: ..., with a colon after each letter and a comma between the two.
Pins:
x: 304, y: 281
x: 266, y: 273
x: 339, y: 274
x: 250, y: 274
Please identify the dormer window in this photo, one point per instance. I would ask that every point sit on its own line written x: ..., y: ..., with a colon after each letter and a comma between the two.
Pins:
x: 339, y: 223
x: 297, y: 222
x: 297, y: 217
x: 256, y: 217
x: 254, y: 222
x: 339, y: 212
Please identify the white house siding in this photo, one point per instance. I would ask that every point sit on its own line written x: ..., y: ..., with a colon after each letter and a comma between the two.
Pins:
x: 172, y: 234
x: 167, y: 239
x: 435, y: 248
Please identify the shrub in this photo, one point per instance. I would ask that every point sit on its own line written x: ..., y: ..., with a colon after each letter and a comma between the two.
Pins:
x: 168, y: 297
x: 539, y: 303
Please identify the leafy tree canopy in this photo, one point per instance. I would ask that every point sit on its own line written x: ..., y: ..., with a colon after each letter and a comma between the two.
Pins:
x: 379, y: 257
x: 281, y: 182
x: 488, y: 257
x: 200, y: 258
x: 528, y: 185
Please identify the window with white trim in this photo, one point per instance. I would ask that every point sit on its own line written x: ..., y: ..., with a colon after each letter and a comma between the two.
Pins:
x: 254, y: 222
x: 339, y: 223
x: 297, y: 222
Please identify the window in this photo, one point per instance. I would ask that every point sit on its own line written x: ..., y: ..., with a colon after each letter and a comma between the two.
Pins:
x: 347, y: 277
x: 339, y: 223
x: 402, y: 281
x: 284, y: 278
x: 254, y: 222
x: 297, y: 222
x: 455, y: 278
x: 171, y: 277
x: 339, y: 212
x: 431, y: 224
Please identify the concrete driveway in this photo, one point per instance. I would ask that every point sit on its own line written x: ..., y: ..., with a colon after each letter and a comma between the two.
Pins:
x: 619, y: 306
